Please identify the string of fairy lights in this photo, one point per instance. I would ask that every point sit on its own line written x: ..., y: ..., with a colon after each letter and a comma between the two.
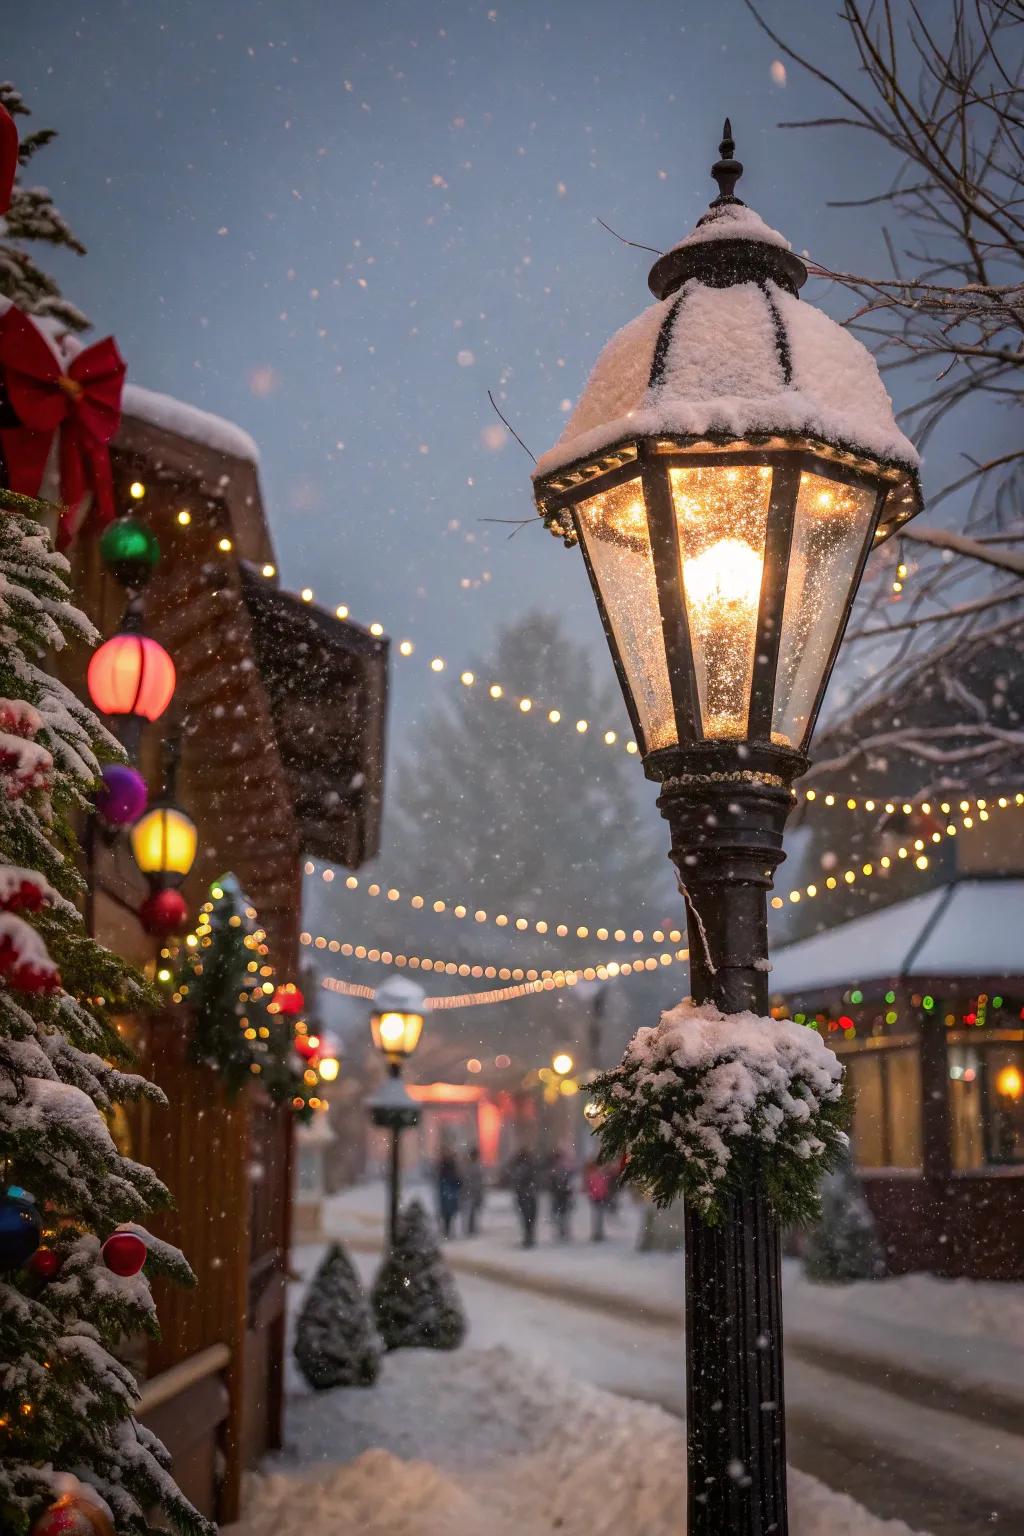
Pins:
x: 442, y: 666
x: 547, y: 981
x: 914, y: 850
x: 529, y: 975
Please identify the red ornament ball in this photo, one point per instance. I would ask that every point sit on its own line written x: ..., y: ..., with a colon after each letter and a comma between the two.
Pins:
x: 73, y: 1515
x: 45, y: 1263
x: 124, y: 1253
x: 164, y: 913
x: 289, y: 999
x: 307, y: 1046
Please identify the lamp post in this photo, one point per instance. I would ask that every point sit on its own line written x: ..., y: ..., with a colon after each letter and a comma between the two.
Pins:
x: 730, y: 466
x: 396, y: 1024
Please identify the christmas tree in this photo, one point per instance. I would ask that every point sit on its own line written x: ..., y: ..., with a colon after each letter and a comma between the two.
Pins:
x: 238, y: 1028
x: 32, y: 217
x: 336, y: 1343
x: 71, y: 1253
x: 414, y: 1295
x: 843, y: 1245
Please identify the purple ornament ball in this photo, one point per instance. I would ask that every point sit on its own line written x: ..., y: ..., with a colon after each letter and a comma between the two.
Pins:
x: 123, y: 795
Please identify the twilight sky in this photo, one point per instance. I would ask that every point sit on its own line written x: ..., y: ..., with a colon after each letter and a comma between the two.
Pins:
x: 339, y: 224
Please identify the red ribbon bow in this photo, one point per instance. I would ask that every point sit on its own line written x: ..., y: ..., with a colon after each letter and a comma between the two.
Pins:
x: 8, y: 157
x: 84, y: 404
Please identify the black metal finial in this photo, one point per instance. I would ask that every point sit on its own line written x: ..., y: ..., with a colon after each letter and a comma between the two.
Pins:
x: 727, y: 170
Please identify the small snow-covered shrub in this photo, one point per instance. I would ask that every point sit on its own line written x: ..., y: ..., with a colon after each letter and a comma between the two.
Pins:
x: 336, y: 1343
x: 844, y: 1244
x: 414, y: 1295
x: 706, y: 1102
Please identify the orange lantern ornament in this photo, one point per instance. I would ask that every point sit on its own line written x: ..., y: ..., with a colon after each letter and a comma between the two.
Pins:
x: 131, y: 674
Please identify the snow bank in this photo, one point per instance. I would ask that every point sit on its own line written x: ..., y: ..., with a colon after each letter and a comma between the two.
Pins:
x: 483, y: 1441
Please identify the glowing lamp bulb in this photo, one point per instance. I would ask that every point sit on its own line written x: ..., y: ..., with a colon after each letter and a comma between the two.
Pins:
x: 392, y: 1028
x: 562, y: 1063
x: 329, y: 1068
x: 724, y: 578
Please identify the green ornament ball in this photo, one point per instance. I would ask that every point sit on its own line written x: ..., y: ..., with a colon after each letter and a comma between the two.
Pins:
x: 130, y: 551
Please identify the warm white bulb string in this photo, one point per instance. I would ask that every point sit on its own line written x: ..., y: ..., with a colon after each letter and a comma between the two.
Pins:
x: 440, y: 666
x: 915, y: 850
x: 550, y: 981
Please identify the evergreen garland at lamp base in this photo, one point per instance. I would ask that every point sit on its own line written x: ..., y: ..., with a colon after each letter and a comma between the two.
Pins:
x: 414, y: 1296
x: 706, y: 1105
x: 336, y: 1343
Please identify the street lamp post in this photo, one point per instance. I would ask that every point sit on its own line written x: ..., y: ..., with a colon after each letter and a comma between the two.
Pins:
x: 396, y: 1024
x: 730, y: 466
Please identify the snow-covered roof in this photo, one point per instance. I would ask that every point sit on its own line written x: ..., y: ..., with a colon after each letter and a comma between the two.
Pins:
x: 733, y: 352
x: 972, y: 928
x: 189, y: 422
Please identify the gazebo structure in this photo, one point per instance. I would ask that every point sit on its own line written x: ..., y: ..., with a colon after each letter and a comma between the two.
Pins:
x: 924, y: 1002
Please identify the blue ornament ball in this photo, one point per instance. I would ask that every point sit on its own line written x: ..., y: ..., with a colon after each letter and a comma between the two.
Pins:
x: 21, y: 1230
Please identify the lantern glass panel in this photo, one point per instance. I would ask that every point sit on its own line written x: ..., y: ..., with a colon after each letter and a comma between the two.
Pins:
x: 829, y: 532
x: 721, y: 525
x: 613, y: 527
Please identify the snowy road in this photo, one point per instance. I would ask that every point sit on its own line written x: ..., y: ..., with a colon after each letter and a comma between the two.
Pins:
x: 947, y: 1475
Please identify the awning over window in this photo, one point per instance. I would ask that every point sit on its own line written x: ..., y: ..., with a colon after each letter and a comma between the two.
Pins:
x: 971, y: 928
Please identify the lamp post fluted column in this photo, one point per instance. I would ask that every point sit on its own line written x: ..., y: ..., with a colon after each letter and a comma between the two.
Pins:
x: 726, y: 834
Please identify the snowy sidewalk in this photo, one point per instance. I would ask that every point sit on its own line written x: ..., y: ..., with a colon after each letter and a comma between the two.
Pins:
x: 486, y: 1441
x: 955, y: 1344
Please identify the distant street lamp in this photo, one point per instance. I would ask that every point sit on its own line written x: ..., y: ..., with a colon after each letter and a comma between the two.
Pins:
x: 731, y: 464
x: 396, y: 1024
x: 562, y: 1063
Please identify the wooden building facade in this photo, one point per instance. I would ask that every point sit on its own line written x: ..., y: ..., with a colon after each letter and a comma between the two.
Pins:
x: 279, y: 714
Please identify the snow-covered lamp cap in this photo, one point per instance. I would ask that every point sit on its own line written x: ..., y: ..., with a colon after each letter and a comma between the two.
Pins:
x: 730, y: 464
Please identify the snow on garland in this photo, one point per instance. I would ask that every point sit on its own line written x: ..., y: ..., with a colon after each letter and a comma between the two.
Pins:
x: 705, y: 1101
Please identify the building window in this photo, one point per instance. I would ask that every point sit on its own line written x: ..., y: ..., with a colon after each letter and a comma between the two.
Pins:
x: 887, y: 1107
x: 986, y: 1104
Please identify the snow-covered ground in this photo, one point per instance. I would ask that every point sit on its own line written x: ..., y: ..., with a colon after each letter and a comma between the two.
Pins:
x: 482, y: 1441
x: 575, y: 1354
x: 971, y: 1331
